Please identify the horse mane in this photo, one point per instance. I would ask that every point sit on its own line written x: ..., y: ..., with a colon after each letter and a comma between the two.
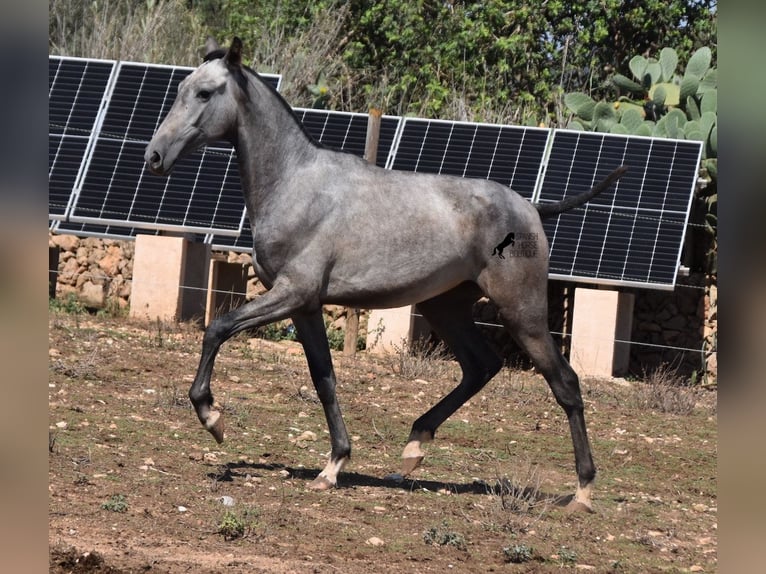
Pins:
x: 241, y: 79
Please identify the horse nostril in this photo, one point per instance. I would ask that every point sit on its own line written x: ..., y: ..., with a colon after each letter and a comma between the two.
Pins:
x: 156, y: 159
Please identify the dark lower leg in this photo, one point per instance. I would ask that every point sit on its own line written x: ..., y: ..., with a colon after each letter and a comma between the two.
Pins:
x: 314, y: 339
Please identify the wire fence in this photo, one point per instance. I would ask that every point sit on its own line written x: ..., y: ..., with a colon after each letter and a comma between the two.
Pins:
x: 705, y: 350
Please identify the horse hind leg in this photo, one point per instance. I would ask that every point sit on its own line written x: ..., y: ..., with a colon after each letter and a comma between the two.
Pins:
x: 528, y: 324
x: 450, y: 315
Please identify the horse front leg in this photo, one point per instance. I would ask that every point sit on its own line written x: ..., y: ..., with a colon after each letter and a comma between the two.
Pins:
x: 274, y: 305
x: 313, y: 337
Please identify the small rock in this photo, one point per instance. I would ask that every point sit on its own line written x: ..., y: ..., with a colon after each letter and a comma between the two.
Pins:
x: 62, y: 424
x: 696, y: 568
x: 284, y: 473
x: 210, y: 457
x: 182, y: 509
x: 149, y: 462
x: 374, y: 541
x: 227, y: 500
x: 234, y: 379
x: 307, y: 435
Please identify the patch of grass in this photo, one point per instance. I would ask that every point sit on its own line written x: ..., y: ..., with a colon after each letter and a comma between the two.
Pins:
x: 567, y: 556
x: 666, y: 392
x: 235, y: 525
x: 69, y: 305
x: 518, y: 553
x: 421, y: 360
x: 442, y: 535
x: 116, y: 503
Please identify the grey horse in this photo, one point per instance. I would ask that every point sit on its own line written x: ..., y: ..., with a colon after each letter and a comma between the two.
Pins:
x: 330, y: 228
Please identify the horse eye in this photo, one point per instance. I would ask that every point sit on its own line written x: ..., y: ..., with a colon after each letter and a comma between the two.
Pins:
x: 203, y: 95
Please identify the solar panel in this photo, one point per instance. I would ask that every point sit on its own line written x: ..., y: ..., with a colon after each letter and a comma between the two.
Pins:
x: 77, y: 89
x: 201, y: 195
x: 345, y: 131
x: 511, y: 155
x: 633, y: 234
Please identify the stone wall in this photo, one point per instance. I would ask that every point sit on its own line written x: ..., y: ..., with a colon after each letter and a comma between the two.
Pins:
x: 98, y: 272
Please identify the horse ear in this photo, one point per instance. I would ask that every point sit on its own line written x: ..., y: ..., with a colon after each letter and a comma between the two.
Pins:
x: 211, y: 45
x: 234, y: 55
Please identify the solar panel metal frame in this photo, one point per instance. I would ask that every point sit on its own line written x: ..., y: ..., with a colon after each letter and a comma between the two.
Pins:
x: 87, y: 139
x: 193, y: 162
x: 525, y: 187
x: 679, y: 215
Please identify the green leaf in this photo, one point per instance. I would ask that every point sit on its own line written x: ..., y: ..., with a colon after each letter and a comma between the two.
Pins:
x: 605, y: 124
x: 581, y: 104
x: 709, y: 102
x: 637, y: 67
x: 678, y: 116
x: 627, y: 84
x: 693, y: 131
x: 672, y: 93
x: 631, y: 119
x: 692, y: 109
x: 709, y: 82
x: 658, y: 94
x: 713, y: 141
x: 576, y: 125
x: 604, y: 111
x: 619, y: 129
x: 645, y: 129
x: 654, y: 69
x: 668, y: 62
x: 699, y: 63
x: 689, y: 86
x: 707, y: 122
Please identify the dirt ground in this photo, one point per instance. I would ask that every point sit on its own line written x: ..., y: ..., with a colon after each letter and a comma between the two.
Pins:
x: 137, y: 485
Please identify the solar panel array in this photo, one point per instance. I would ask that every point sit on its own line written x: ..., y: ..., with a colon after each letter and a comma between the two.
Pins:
x: 103, y: 114
x: 633, y: 234
x: 76, y: 96
x: 511, y: 155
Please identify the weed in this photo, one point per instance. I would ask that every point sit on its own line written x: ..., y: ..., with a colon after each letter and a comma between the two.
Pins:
x: 443, y: 536
x: 116, y: 503
x: 112, y: 309
x: 421, y: 360
x: 235, y: 525
x: 567, y: 556
x: 665, y: 391
x: 518, y: 553
x: 69, y: 305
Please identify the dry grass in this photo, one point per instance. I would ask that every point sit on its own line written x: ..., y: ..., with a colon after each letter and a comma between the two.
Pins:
x: 665, y: 391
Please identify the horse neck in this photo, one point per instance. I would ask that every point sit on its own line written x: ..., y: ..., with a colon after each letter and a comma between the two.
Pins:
x: 270, y: 142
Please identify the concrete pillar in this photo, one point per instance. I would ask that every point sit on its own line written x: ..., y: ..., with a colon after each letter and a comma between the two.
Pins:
x: 170, y: 277
x: 227, y: 287
x: 600, y: 317
x: 389, y: 329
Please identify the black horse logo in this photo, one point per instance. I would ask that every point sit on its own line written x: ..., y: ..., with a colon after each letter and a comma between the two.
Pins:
x: 510, y: 239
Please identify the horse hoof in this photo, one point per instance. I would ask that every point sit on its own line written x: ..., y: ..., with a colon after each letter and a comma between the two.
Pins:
x: 578, y: 507
x: 321, y: 483
x: 410, y: 463
x: 214, y: 425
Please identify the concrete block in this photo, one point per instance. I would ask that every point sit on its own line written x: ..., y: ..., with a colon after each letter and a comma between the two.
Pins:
x: 389, y: 329
x: 600, y: 318
x: 169, y: 278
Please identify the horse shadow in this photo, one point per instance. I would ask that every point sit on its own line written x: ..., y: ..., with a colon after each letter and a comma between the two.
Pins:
x: 240, y: 470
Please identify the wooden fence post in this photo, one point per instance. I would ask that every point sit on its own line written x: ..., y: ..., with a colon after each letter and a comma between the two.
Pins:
x: 371, y: 155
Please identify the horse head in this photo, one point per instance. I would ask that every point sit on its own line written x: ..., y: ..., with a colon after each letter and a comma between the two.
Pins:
x: 205, y: 109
